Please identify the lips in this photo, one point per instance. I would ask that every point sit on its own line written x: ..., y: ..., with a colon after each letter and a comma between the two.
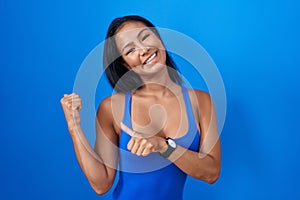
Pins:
x: 151, y: 59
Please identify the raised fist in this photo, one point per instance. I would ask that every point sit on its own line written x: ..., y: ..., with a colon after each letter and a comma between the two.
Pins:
x: 71, y: 104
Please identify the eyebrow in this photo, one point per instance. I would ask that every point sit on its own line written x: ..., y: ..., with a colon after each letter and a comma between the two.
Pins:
x: 130, y: 43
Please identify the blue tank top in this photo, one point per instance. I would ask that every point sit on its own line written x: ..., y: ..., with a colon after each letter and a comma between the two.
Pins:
x: 152, y: 177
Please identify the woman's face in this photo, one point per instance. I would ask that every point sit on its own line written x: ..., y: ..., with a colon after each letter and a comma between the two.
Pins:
x: 140, y: 48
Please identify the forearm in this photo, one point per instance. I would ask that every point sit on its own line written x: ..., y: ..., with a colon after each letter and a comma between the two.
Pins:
x: 90, y: 163
x: 198, y: 165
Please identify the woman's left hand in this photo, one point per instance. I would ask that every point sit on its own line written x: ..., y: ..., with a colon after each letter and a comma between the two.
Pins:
x: 142, y: 145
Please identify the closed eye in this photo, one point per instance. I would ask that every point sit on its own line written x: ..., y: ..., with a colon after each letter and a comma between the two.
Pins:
x: 129, y: 51
x: 145, y: 37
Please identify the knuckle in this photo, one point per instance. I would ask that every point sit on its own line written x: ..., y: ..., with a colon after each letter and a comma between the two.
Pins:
x: 143, y: 141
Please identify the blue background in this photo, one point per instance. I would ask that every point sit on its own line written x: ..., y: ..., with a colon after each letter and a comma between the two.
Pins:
x: 255, y: 45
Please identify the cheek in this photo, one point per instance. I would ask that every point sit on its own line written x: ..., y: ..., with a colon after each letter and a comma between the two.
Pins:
x: 156, y: 42
x: 130, y: 61
x: 162, y: 49
x: 163, y: 55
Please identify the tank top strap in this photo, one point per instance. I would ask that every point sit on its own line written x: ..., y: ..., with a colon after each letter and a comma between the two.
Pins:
x: 188, y: 106
x: 127, y: 109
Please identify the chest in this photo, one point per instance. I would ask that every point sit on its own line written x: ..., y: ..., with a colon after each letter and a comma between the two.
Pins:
x: 167, y: 117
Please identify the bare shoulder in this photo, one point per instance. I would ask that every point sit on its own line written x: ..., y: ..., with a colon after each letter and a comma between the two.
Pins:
x: 200, y: 97
x: 202, y: 104
x: 107, y: 103
x: 111, y: 109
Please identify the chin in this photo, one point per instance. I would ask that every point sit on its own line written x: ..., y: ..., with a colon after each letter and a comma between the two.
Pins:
x: 146, y: 71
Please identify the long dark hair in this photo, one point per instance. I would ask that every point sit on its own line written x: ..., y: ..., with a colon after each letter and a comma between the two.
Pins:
x: 112, y: 60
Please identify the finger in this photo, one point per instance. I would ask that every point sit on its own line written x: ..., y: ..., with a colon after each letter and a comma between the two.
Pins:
x: 65, y: 98
x: 76, y: 105
x: 142, y: 147
x: 145, y: 152
x: 75, y: 101
x: 128, y: 130
x: 139, y: 151
x: 79, y: 107
x: 72, y: 103
x: 130, y: 144
x: 135, y: 146
x: 68, y: 105
x: 71, y: 96
x: 149, y: 149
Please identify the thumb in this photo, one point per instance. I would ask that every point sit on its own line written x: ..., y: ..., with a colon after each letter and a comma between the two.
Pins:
x: 130, y: 132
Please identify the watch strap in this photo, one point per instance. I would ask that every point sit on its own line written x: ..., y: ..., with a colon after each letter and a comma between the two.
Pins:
x: 168, y: 152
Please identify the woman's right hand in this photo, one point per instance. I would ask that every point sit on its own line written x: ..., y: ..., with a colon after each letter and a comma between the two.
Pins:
x: 71, y: 104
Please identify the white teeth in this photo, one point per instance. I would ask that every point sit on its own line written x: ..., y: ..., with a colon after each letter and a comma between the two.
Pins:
x: 151, y: 58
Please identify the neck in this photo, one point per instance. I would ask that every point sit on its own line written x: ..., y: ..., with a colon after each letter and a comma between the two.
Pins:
x: 159, y: 86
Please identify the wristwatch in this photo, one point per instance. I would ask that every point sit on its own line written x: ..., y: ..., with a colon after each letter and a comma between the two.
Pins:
x: 171, y: 147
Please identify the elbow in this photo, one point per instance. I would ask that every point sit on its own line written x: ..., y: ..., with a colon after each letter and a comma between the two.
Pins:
x: 101, y: 189
x: 211, y: 180
x: 214, y: 176
x: 209, y: 176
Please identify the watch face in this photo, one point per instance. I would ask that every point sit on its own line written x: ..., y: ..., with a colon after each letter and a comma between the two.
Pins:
x: 172, y: 143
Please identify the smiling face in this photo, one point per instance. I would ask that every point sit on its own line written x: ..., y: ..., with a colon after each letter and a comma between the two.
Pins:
x: 140, y: 48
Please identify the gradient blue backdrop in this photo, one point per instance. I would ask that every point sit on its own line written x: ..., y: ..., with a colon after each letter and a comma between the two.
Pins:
x: 255, y: 45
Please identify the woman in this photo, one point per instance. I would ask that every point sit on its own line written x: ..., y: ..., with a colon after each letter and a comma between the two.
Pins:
x: 154, y: 129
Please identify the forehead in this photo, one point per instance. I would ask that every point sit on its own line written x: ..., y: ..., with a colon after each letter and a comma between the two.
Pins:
x: 130, y: 26
x: 128, y: 32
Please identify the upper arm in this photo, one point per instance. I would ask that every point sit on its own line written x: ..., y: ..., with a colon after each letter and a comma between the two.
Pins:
x: 210, y: 142
x: 106, y: 145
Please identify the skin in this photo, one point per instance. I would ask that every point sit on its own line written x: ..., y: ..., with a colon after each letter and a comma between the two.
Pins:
x: 137, y: 43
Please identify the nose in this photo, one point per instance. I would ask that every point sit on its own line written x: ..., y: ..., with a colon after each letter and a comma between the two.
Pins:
x: 143, y: 50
